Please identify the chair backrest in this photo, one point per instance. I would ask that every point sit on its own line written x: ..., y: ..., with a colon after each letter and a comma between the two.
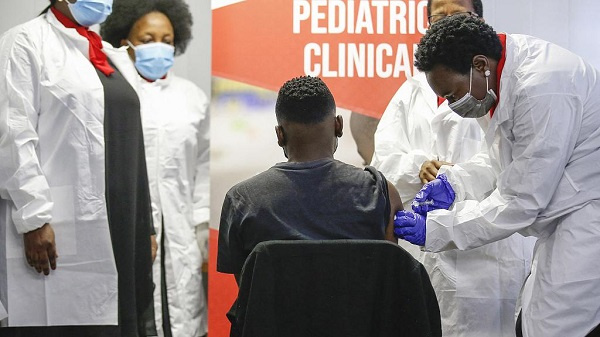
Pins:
x: 366, y: 288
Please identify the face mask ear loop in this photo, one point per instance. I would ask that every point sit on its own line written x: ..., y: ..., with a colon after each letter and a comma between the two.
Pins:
x: 130, y: 44
x: 471, y: 80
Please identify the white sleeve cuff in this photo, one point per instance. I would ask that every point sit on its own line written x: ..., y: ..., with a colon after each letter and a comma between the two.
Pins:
x: 454, y: 174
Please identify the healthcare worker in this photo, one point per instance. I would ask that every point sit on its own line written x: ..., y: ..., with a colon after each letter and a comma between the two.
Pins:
x: 545, y: 116
x: 74, y: 198
x: 477, y: 290
x: 176, y: 132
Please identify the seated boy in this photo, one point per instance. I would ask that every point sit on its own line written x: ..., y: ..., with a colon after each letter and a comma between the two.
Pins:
x: 312, y: 196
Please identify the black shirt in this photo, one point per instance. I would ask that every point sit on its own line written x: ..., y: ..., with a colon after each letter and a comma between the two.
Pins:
x: 318, y: 200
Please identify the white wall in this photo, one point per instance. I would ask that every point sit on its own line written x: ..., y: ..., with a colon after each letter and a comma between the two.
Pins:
x: 193, y: 65
x: 15, y: 12
x: 572, y: 24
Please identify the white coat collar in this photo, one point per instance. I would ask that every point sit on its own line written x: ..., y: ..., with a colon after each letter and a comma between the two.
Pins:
x: 80, y: 42
x: 120, y: 58
x: 505, y: 104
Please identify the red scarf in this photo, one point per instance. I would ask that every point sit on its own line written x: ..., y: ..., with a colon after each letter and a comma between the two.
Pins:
x: 97, y: 56
x: 440, y: 100
x: 499, y: 68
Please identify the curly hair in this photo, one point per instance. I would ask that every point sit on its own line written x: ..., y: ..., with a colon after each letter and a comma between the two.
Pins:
x: 477, y: 6
x: 126, y: 13
x: 454, y: 41
x: 305, y: 100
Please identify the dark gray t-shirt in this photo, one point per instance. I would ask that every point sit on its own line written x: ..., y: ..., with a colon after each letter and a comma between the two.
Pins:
x: 323, y: 199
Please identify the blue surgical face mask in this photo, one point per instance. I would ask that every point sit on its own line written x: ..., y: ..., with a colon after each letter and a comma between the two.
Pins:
x: 469, y: 106
x: 153, y: 60
x: 90, y: 12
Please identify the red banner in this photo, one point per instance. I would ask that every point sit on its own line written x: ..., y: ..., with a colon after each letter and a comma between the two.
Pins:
x: 363, y: 49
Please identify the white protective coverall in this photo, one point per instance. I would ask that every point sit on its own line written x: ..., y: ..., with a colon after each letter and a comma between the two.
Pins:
x: 176, y: 136
x: 547, y: 125
x: 52, y: 171
x: 477, y: 290
x: 3, y: 313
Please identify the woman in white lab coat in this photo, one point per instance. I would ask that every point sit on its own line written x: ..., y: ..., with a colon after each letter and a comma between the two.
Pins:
x: 72, y: 182
x: 175, y: 122
x: 545, y: 118
x: 477, y: 290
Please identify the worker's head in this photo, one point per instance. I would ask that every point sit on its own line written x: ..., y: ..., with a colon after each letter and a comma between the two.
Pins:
x: 307, y: 124
x: 147, y: 21
x: 155, y: 31
x: 459, y: 55
x: 439, y: 9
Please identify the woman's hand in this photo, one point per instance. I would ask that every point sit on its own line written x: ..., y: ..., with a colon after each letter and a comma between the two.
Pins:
x: 429, y: 170
x: 153, y: 246
x: 40, y: 249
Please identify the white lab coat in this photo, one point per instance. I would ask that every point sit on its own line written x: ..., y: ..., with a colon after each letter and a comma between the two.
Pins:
x: 3, y: 313
x: 477, y: 290
x: 52, y: 171
x: 547, y: 125
x: 176, y: 136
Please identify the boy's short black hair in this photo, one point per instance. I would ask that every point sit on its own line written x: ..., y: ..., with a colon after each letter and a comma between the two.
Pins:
x: 305, y: 100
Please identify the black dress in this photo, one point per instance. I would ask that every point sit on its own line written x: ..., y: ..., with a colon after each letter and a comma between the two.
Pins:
x: 128, y: 203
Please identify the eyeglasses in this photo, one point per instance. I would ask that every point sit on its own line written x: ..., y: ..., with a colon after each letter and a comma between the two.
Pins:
x: 437, y: 17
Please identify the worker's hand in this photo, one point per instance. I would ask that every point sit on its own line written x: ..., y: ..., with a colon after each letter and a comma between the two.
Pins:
x: 429, y: 170
x: 436, y: 194
x: 153, y: 246
x: 40, y: 249
x: 410, y: 226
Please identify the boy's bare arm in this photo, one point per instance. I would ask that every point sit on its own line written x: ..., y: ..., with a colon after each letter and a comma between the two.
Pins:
x: 395, y: 206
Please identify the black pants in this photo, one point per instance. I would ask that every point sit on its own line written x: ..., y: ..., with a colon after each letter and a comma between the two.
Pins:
x: 519, y: 329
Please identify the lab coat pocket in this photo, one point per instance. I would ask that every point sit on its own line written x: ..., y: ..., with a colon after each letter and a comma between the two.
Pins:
x: 63, y: 220
x: 91, y: 188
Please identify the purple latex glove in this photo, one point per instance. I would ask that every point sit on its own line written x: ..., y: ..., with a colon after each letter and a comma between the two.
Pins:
x: 410, y: 226
x: 436, y: 194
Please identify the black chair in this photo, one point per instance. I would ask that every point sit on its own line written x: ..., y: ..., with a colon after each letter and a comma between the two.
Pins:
x: 365, y: 288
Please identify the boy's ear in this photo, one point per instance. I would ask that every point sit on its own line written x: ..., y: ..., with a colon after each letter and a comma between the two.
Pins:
x: 281, y: 141
x: 339, y: 126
